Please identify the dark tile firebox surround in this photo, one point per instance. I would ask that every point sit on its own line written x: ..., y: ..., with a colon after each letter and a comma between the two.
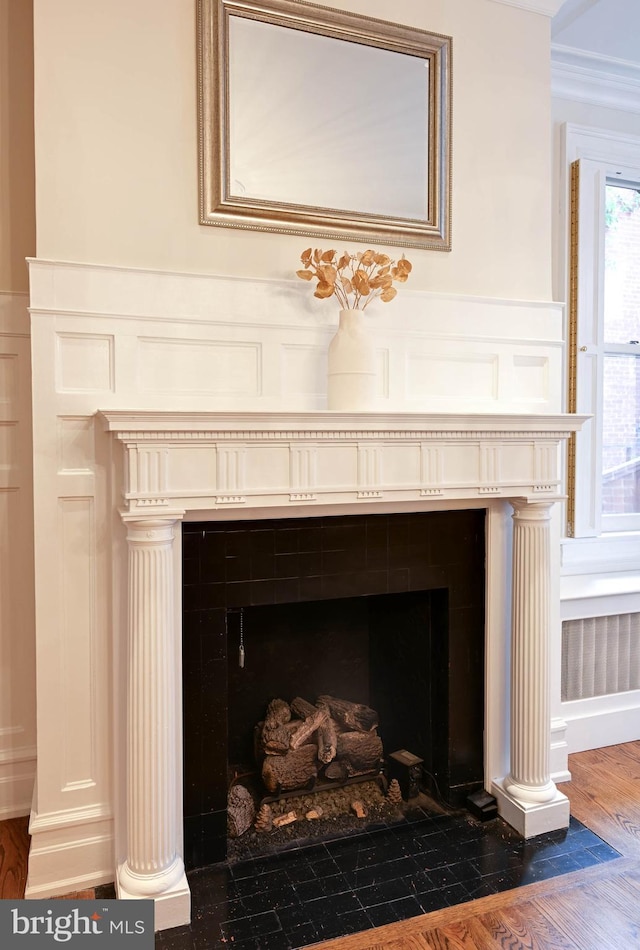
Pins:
x: 417, y: 658
x: 299, y: 897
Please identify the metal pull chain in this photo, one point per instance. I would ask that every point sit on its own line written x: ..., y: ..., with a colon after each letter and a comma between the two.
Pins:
x: 241, y: 650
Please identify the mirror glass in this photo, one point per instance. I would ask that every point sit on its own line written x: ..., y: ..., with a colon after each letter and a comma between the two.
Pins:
x: 326, y: 141
x: 318, y: 122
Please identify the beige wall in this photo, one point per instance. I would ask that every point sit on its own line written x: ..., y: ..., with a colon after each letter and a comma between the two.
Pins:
x: 17, y: 241
x: 116, y: 145
x: 17, y: 214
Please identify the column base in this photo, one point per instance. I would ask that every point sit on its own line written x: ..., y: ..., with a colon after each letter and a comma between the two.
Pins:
x: 531, y: 818
x: 529, y: 794
x: 172, y: 907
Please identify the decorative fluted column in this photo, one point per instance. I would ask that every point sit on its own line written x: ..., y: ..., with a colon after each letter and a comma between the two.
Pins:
x: 153, y: 867
x: 529, y: 780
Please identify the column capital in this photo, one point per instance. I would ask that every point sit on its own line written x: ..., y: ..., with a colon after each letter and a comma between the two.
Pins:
x: 151, y: 529
x: 169, y: 516
x: 525, y: 510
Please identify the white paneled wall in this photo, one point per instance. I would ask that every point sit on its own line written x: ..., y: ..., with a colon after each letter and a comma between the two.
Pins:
x: 220, y: 342
x: 17, y: 669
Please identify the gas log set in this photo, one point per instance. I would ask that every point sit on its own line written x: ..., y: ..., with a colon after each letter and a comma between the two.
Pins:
x: 301, y: 744
x: 308, y: 757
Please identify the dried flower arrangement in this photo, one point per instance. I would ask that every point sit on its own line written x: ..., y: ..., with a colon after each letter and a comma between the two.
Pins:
x: 355, y: 279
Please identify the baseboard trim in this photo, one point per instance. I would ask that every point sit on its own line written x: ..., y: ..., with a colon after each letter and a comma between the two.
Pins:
x: 602, y: 728
x: 68, y: 855
x: 67, y: 886
x: 558, y: 759
x: 17, y: 778
x: 15, y: 810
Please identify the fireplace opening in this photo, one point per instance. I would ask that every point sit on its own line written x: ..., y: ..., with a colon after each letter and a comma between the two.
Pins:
x: 320, y: 694
x: 385, y: 652
x: 384, y: 611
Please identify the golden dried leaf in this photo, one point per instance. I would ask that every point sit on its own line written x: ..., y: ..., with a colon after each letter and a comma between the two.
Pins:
x: 367, y: 258
x: 323, y: 290
x: 348, y: 286
x: 317, y: 254
x: 328, y: 256
x: 381, y: 280
x: 388, y: 294
x: 304, y: 274
x: 400, y: 275
x: 404, y: 266
x: 305, y: 257
x: 361, y: 283
x: 382, y: 259
x: 344, y: 261
x: 327, y: 272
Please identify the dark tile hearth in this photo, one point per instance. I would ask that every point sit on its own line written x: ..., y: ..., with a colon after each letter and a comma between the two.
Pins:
x: 393, y: 872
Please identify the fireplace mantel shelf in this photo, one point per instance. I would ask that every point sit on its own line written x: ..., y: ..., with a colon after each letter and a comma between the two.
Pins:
x: 190, y: 461
x: 146, y: 423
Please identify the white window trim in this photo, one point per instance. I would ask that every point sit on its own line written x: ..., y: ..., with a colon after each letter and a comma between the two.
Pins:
x: 594, y: 548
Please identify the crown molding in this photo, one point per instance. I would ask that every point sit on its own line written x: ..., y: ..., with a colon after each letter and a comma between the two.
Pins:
x: 595, y: 79
x: 545, y: 7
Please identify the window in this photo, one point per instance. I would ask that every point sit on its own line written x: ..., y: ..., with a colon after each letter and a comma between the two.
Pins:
x: 621, y: 357
x: 604, y: 339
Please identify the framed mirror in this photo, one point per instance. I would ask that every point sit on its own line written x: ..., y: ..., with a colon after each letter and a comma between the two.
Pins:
x: 323, y: 123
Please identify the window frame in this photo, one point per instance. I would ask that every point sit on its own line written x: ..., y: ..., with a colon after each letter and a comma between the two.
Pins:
x: 594, y: 158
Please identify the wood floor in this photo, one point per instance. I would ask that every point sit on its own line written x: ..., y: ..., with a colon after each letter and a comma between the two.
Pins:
x: 14, y: 848
x: 596, y: 909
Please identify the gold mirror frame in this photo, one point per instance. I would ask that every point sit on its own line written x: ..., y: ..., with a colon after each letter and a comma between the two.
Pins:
x: 220, y: 207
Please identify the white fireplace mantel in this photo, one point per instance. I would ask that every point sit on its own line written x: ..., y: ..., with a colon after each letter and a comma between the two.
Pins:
x: 177, y: 465
x: 195, y: 461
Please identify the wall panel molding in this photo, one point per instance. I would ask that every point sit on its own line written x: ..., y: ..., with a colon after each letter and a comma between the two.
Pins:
x: 208, y: 341
x: 17, y: 635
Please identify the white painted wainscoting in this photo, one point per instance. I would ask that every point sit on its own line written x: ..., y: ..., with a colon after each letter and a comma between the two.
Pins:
x: 112, y: 339
x: 186, y: 341
x: 17, y: 646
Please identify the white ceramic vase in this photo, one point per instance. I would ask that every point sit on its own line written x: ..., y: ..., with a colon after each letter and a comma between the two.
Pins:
x: 352, y: 370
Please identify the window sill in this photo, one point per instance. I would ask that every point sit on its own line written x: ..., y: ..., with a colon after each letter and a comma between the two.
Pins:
x: 607, y: 554
x: 600, y: 576
x: 599, y: 595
